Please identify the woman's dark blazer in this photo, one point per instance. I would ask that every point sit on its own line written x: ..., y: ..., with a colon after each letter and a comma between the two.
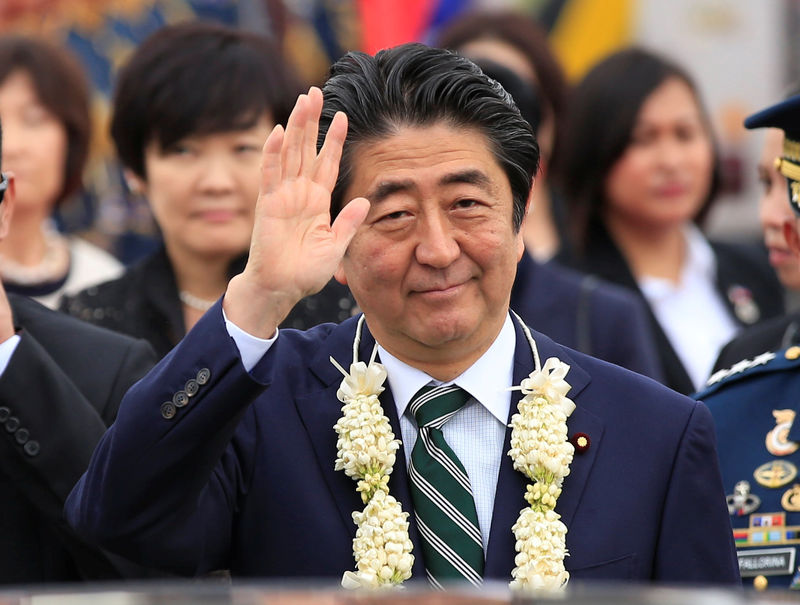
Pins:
x: 745, y: 283
x: 144, y: 303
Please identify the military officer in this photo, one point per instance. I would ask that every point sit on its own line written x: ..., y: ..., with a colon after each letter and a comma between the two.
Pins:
x: 755, y: 405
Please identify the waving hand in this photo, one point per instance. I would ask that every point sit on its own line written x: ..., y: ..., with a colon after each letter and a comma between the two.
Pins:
x: 294, y: 249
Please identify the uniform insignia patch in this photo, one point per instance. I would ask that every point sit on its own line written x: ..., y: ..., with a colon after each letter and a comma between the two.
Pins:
x: 777, y: 441
x: 776, y: 473
x: 791, y: 499
x: 741, y: 502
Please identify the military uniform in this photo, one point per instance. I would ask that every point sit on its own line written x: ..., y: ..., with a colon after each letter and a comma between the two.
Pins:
x: 755, y: 404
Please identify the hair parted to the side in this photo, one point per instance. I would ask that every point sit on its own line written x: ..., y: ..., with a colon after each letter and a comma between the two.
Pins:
x: 413, y: 85
x: 62, y: 88
x: 197, y: 78
x: 601, y: 119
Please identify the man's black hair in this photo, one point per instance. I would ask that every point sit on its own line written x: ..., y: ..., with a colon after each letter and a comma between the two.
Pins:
x: 413, y: 85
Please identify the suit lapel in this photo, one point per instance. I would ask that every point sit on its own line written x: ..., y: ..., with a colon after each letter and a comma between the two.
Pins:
x: 509, y: 497
x: 319, y: 411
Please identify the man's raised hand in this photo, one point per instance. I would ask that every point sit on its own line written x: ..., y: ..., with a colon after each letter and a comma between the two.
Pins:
x: 294, y: 249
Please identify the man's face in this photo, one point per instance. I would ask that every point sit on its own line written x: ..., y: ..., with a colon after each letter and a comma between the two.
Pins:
x: 433, y: 264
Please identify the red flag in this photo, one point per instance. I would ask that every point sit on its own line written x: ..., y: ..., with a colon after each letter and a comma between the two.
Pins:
x: 386, y: 23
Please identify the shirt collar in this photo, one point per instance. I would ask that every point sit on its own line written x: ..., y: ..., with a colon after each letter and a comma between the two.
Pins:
x: 487, y: 380
x: 699, y: 264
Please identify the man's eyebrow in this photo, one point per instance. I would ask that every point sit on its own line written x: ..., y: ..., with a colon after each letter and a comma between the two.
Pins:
x: 469, y: 177
x: 387, y: 188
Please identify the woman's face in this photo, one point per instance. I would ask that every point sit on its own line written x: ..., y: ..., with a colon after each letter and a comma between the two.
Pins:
x: 663, y: 177
x: 34, y: 144
x: 203, y: 190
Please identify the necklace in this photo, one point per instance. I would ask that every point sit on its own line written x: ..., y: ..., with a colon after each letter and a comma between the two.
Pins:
x: 539, y: 448
x: 195, y: 302
x: 54, y: 265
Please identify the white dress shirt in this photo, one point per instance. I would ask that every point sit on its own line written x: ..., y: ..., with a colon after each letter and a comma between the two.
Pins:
x: 692, y: 314
x: 7, y: 348
x: 475, y: 433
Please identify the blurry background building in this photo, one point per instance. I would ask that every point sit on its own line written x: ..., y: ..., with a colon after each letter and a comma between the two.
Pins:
x: 741, y: 53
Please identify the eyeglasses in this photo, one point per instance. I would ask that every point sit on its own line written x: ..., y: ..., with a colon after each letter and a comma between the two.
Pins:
x: 3, y: 185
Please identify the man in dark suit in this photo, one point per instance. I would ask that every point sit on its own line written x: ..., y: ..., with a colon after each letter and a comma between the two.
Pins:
x: 61, y: 382
x: 225, y: 455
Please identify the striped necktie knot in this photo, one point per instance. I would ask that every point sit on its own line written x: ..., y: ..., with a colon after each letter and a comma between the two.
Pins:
x: 433, y: 406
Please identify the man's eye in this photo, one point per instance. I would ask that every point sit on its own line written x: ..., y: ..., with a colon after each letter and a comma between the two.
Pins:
x: 466, y: 203
x: 394, y: 215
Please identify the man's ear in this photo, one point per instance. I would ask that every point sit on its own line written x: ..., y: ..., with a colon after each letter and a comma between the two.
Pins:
x: 529, y: 202
x: 7, y: 206
x: 339, y: 275
x: 792, y: 238
x: 521, y: 233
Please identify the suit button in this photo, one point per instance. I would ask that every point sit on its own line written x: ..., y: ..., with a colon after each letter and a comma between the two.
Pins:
x: 168, y: 410
x: 12, y: 424
x: 180, y: 399
x: 22, y: 436
x: 31, y: 448
x: 203, y: 376
x: 4, y: 413
x: 191, y: 387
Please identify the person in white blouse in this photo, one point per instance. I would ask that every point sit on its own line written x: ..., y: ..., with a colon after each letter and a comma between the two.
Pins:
x: 44, y: 105
x: 638, y: 181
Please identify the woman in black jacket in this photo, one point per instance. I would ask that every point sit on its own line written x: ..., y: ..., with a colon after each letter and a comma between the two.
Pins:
x: 639, y: 170
x: 191, y: 110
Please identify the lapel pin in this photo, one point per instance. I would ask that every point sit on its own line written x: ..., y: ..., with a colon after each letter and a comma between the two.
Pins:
x: 581, y: 442
x: 744, y: 306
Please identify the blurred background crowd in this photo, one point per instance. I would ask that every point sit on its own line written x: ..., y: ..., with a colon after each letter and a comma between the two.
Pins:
x: 740, y: 53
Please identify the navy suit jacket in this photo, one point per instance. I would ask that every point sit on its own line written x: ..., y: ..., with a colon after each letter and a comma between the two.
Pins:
x: 586, y: 313
x: 242, y: 477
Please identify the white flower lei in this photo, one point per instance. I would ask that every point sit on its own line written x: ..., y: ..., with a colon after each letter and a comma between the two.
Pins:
x: 366, y: 452
x: 539, y: 448
x: 541, y: 451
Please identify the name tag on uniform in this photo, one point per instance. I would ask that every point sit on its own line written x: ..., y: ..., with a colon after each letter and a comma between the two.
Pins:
x: 766, y: 562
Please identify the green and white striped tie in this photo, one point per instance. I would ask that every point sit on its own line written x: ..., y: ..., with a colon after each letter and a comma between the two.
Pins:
x: 443, y: 500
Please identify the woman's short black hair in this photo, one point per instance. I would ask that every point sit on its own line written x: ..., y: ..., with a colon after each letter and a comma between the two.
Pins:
x: 415, y: 85
x: 197, y: 78
x: 601, y: 120
x: 61, y: 86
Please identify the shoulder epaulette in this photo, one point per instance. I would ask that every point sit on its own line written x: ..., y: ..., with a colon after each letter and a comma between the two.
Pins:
x: 766, y: 362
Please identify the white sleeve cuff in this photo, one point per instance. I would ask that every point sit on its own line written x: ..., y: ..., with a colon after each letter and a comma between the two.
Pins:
x: 251, y: 348
x: 7, y: 349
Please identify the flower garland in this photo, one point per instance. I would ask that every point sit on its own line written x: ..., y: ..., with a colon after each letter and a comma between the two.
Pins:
x: 539, y: 448
x: 541, y: 451
x: 366, y: 452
